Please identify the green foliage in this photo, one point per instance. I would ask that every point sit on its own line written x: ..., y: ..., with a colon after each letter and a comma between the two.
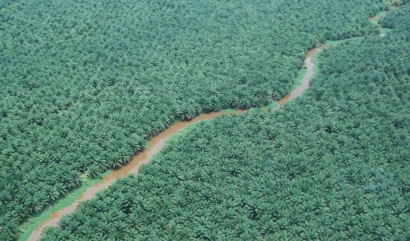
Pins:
x: 398, y: 20
x: 396, y: 2
x: 330, y: 165
x: 85, y: 83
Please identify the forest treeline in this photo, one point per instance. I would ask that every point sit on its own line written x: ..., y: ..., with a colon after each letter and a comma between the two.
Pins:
x: 329, y: 165
x: 85, y: 83
x: 398, y: 20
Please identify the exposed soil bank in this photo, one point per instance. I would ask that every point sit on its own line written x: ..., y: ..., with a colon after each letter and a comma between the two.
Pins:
x: 155, y: 145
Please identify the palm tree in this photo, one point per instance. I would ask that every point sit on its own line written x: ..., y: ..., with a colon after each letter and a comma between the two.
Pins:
x: 51, y: 192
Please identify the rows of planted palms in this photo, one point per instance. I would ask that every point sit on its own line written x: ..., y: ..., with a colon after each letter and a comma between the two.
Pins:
x: 330, y: 165
x: 84, y: 84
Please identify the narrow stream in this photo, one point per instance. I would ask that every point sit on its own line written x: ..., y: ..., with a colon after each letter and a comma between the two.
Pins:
x: 154, y: 146
x: 375, y: 19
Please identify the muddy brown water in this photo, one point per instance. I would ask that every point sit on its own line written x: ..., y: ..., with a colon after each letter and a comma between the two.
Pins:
x: 372, y: 18
x: 154, y: 146
x: 298, y: 91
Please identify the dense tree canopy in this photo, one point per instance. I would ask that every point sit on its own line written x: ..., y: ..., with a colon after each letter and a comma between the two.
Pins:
x: 85, y: 83
x: 330, y: 165
x: 398, y: 20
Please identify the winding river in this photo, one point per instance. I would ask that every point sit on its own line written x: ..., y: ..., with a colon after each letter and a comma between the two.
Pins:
x: 155, y: 145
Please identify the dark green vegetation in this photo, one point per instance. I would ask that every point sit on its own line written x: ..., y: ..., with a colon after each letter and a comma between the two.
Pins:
x: 84, y: 84
x: 330, y: 165
x: 398, y: 20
